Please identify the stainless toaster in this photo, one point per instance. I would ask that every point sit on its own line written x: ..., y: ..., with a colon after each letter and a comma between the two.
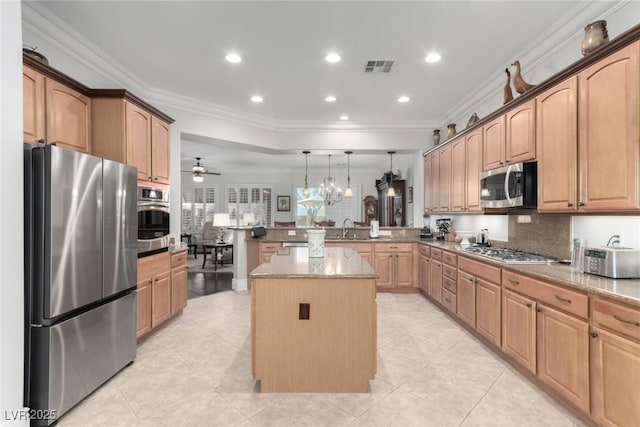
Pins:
x: 613, y: 262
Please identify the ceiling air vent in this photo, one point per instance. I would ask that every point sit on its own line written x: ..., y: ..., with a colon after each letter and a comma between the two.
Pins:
x: 379, y: 66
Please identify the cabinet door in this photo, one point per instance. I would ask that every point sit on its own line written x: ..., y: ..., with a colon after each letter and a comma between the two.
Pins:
x: 68, y: 115
x: 615, y: 379
x: 493, y: 154
x: 160, y: 298
x: 159, y: 151
x: 138, y: 137
x: 608, y: 152
x: 458, y: 175
x: 179, y: 289
x: 444, y: 160
x: 435, y: 181
x: 33, y: 117
x: 519, y: 329
x: 425, y: 274
x: 435, y: 289
x: 563, y: 355
x: 557, y: 147
x: 426, y: 182
x: 384, y: 267
x: 466, y: 298
x: 488, y: 311
x: 473, y: 167
x: 143, y: 308
x: 403, y: 269
x: 521, y: 132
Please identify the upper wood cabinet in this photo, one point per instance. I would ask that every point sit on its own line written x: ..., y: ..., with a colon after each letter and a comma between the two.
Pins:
x: 55, y: 112
x: 510, y: 138
x: 127, y: 133
x: 432, y: 181
x: 473, y: 168
x: 588, y: 152
x: 458, y: 174
x: 557, y: 147
x: 609, y: 127
x: 444, y: 161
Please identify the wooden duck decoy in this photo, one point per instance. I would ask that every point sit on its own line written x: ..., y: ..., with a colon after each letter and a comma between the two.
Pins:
x: 508, y: 95
x: 518, y: 82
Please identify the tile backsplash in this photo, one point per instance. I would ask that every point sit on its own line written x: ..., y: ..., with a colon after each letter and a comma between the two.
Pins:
x: 544, y: 234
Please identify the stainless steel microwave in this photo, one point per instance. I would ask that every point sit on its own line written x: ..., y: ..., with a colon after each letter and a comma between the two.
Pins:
x: 509, y: 186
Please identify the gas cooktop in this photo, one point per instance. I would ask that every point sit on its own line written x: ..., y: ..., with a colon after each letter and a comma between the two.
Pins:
x: 510, y: 256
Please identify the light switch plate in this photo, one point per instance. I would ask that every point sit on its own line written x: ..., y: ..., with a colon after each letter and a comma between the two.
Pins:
x: 291, y: 232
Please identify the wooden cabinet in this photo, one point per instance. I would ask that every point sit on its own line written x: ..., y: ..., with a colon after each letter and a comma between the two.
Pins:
x: 267, y: 249
x: 519, y: 329
x: 435, y: 281
x: 483, y: 282
x: 466, y: 298
x: 179, y: 283
x: 55, y: 112
x: 609, y: 127
x: 126, y: 132
x: 561, y: 344
x: 493, y: 149
x: 365, y: 250
x: 154, y: 292
x: 458, y: 174
x: 449, y: 281
x: 432, y: 182
x: 473, y: 146
x: 563, y: 354
x: 444, y: 171
x: 424, y: 268
x: 426, y: 185
x: 510, y: 138
x: 394, y: 264
x: 615, y: 363
x: 557, y: 147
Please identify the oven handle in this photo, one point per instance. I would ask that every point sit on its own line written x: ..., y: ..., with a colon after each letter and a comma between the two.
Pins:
x: 151, y: 206
x: 506, y: 186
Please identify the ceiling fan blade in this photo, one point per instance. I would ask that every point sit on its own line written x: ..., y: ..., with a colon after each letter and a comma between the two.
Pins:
x: 212, y: 173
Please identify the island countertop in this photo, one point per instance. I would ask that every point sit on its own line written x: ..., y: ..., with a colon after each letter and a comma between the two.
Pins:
x: 294, y: 262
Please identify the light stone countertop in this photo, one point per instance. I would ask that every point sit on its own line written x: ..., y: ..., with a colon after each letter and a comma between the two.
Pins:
x: 294, y: 262
x: 623, y: 290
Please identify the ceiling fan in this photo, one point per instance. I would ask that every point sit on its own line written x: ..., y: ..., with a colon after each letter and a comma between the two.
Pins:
x: 198, y: 170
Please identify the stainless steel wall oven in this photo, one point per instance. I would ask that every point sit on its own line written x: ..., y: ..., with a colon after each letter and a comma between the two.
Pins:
x: 153, y: 219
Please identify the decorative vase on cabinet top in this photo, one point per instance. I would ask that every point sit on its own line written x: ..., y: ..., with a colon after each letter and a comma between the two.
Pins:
x: 595, y: 35
x: 451, y: 130
x: 436, y: 137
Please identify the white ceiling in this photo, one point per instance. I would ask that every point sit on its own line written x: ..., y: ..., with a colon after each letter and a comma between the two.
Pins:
x: 179, y: 47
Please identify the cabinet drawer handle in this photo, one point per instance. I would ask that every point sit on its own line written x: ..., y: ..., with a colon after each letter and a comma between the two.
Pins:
x: 514, y: 281
x: 623, y: 320
x: 581, y: 204
x: 559, y: 298
x: 569, y: 205
x: 393, y: 247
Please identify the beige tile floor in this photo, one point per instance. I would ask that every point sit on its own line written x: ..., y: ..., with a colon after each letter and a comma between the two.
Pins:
x: 431, y: 372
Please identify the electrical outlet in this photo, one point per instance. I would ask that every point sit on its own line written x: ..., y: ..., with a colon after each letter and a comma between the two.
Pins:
x: 291, y: 232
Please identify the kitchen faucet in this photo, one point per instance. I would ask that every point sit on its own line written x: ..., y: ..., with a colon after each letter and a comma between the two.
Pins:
x: 344, y: 229
x: 614, y: 240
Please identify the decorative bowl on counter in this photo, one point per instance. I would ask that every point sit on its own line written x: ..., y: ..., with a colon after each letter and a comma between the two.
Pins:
x: 464, y: 236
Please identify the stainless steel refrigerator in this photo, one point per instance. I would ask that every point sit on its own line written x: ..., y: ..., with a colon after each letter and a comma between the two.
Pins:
x: 80, y: 276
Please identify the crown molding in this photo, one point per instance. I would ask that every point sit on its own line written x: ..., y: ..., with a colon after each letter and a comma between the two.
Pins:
x: 561, y: 33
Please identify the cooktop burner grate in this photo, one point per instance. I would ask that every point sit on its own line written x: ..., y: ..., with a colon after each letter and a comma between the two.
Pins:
x: 511, y: 256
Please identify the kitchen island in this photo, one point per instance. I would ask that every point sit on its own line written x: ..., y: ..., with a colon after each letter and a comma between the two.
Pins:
x: 313, y: 322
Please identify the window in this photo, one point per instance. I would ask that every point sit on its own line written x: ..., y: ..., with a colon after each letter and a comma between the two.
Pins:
x: 249, y: 204
x: 198, y: 207
x: 312, y: 208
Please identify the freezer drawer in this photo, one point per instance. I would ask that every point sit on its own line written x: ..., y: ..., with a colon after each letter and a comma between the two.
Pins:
x: 73, y: 358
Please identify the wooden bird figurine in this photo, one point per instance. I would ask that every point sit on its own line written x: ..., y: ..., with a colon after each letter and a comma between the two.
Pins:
x: 518, y: 82
x: 508, y: 95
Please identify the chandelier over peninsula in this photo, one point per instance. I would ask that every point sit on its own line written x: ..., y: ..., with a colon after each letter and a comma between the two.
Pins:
x: 329, y: 191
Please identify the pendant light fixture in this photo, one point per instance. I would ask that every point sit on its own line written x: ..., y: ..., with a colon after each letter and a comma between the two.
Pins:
x: 329, y: 191
x: 391, y: 192
x: 305, y: 190
x: 348, y: 192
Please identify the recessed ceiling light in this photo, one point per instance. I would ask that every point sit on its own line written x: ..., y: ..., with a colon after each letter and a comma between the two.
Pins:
x: 332, y: 57
x: 432, y: 57
x: 344, y: 117
x: 256, y: 98
x: 233, y: 57
x: 330, y: 98
x: 404, y: 99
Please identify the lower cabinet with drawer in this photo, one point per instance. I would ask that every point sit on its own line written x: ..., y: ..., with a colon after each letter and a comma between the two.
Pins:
x: 179, y: 286
x: 545, y: 329
x: 267, y: 249
x: 424, y: 254
x: 615, y: 363
x: 449, y: 281
x: 394, y: 263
